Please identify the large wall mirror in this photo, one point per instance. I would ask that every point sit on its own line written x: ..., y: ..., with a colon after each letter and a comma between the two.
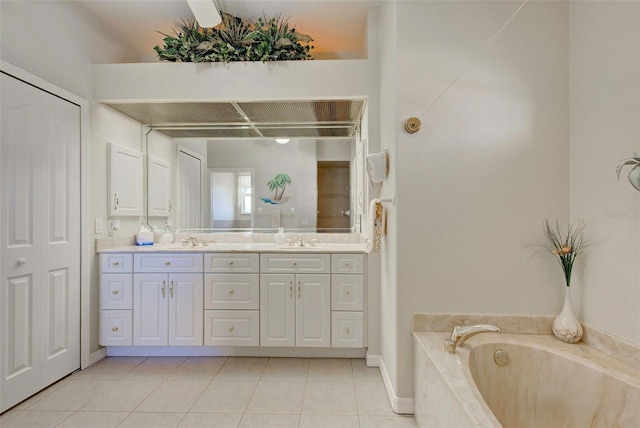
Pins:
x: 294, y: 164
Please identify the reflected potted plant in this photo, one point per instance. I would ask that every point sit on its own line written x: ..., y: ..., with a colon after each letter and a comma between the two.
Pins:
x: 634, y: 173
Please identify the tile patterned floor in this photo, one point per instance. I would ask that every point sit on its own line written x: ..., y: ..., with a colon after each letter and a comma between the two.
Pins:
x: 159, y: 392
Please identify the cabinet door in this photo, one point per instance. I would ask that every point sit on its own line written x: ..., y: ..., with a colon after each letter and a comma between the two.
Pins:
x: 232, y: 291
x: 125, y: 181
x: 150, y: 310
x: 313, y: 310
x: 116, y: 291
x: 115, y: 328
x: 159, y: 187
x: 185, y: 310
x: 277, y: 310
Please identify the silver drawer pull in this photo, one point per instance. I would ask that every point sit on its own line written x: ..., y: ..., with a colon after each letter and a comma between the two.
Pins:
x: 299, y: 289
x: 230, y: 291
x: 116, y: 263
x: 115, y: 292
x: 167, y: 263
x: 163, y: 289
x: 230, y: 329
x: 291, y: 290
x: 114, y: 329
x: 171, y: 289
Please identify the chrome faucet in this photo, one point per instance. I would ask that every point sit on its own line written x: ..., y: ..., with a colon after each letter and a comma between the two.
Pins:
x: 300, y: 241
x: 190, y: 242
x: 461, y: 333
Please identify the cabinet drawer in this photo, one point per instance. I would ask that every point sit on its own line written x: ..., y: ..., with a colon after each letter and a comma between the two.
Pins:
x: 231, y: 291
x: 116, y: 328
x: 231, y: 328
x: 347, y: 292
x: 347, y: 330
x: 167, y: 262
x: 296, y: 263
x: 232, y: 262
x: 116, y: 263
x: 116, y: 291
x: 347, y: 263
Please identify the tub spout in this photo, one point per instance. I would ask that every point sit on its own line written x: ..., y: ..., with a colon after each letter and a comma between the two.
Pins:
x: 461, y: 333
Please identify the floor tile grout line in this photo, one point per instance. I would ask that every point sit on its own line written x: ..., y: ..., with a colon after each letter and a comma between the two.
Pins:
x: 199, y: 397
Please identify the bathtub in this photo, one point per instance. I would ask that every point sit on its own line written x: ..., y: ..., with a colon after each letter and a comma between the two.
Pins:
x: 545, y: 383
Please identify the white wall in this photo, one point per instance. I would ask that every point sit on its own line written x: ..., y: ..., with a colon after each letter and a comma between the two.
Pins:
x: 334, y: 150
x: 605, y: 128
x: 388, y: 128
x: 489, y: 165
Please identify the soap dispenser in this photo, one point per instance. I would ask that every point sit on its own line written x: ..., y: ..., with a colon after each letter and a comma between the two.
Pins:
x: 167, y: 238
x: 280, y: 236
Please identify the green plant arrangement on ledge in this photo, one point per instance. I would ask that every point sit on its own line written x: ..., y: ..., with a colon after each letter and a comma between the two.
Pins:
x: 235, y: 40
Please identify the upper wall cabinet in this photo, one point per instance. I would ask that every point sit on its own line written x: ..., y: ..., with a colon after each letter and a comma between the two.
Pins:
x: 159, y: 188
x: 125, y: 182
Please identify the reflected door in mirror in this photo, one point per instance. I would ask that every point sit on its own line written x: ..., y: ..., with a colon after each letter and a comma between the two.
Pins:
x: 333, y: 196
x: 190, y: 189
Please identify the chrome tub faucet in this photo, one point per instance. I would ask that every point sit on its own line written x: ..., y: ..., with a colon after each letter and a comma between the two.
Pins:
x: 461, y: 333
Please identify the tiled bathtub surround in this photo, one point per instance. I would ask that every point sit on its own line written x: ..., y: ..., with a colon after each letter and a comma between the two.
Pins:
x: 625, y: 352
x: 546, y: 383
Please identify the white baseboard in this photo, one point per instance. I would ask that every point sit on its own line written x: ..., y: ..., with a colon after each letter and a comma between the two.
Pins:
x: 232, y: 351
x: 96, y: 356
x: 400, y: 405
x: 372, y: 360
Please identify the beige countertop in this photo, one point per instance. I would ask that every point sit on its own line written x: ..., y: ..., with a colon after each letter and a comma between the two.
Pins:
x: 221, y: 247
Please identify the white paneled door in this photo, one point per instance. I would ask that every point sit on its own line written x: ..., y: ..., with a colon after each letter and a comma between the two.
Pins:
x: 189, y: 184
x: 40, y: 240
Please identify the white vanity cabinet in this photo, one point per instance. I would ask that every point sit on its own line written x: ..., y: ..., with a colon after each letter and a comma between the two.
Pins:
x: 194, y: 298
x: 125, y: 181
x: 167, y: 300
x: 116, y: 299
x: 231, y: 299
x: 158, y: 188
x: 295, y: 300
x: 347, y: 300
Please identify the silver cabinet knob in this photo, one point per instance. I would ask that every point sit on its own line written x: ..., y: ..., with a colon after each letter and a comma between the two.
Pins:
x: 114, y: 329
x: 230, y: 329
x: 230, y: 291
x: 116, y: 263
x: 167, y: 263
x: 22, y: 261
x: 347, y: 330
x: 230, y: 263
x: 115, y: 292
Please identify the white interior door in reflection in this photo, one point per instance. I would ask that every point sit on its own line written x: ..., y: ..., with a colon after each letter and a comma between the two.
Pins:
x: 190, y: 189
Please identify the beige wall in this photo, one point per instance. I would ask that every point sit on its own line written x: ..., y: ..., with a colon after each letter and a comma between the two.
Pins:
x: 489, y: 165
x: 58, y: 41
x: 605, y: 128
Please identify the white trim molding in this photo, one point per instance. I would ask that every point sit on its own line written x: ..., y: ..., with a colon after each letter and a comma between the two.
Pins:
x: 400, y: 405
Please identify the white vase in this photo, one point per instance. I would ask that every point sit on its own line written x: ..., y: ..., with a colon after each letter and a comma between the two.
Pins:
x: 566, y: 326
